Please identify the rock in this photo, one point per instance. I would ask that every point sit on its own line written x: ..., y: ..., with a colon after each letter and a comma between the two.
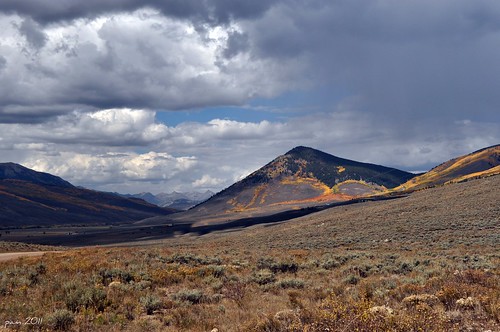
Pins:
x: 114, y: 284
x: 414, y: 300
x: 215, y: 330
x: 381, y: 310
x: 466, y: 303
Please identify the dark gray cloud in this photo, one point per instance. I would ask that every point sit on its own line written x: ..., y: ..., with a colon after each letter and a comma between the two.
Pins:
x: 33, y: 33
x: 411, y: 59
x: 237, y: 42
x: 203, y: 11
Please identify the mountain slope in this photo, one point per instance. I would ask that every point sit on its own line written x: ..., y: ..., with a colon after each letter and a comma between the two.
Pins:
x: 28, y: 197
x: 477, y: 164
x: 301, y: 177
x: 12, y: 171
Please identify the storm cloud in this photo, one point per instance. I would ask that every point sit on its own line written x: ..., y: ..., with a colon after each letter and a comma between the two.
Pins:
x: 205, y: 11
x: 406, y: 84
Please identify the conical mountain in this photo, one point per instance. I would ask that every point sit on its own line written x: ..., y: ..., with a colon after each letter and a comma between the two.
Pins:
x: 301, y: 177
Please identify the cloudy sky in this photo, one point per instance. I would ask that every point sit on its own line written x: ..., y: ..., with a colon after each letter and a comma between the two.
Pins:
x: 150, y: 95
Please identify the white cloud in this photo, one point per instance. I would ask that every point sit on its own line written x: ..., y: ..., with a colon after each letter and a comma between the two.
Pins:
x: 138, y: 59
x: 206, y: 181
x: 112, y: 168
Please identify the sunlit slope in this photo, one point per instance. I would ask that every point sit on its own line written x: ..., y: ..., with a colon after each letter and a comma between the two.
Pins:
x: 480, y: 163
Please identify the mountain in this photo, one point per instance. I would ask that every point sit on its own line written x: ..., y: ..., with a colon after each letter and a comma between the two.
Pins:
x: 183, y: 201
x: 11, y: 171
x: 477, y: 164
x: 146, y: 196
x: 301, y: 177
x: 174, y: 200
x: 30, y: 198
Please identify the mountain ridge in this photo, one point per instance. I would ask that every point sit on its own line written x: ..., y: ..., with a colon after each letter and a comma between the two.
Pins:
x: 482, y: 162
x: 15, y: 171
x: 31, y: 198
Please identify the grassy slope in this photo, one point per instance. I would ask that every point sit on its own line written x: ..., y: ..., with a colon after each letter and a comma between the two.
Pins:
x: 427, y: 262
x: 479, y: 163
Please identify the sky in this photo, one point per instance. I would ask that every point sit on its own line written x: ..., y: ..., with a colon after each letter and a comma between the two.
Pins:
x: 190, y: 95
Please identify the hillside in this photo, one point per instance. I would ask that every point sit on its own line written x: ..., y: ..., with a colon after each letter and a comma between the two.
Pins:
x: 427, y: 262
x: 481, y: 163
x: 30, y: 198
x: 301, y: 177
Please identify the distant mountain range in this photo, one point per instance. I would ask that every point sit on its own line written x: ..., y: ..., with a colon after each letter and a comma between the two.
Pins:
x: 29, y: 198
x: 174, y: 200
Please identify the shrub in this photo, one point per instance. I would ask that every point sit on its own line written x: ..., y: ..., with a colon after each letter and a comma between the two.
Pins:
x: 351, y: 279
x: 291, y: 283
x: 61, y: 319
x: 275, y: 267
x: 109, y: 275
x: 151, y: 303
x: 194, y: 296
x: 78, y: 296
x: 191, y: 259
x: 263, y: 277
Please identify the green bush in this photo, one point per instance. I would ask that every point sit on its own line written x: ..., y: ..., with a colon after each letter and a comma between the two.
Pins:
x: 77, y: 296
x: 291, y: 283
x: 151, y: 303
x: 61, y: 320
x: 263, y: 277
x: 193, y: 296
x: 275, y: 267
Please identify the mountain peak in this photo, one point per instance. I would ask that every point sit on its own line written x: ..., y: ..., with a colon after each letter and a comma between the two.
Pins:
x: 298, y: 150
x: 13, y: 171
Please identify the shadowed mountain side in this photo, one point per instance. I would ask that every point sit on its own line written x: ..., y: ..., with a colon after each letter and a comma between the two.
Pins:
x: 12, y: 171
x: 481, y: 163
x: 32, y: 198
x: 303, y: 177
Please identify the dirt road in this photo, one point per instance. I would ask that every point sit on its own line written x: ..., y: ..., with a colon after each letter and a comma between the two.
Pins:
x: 13, y: 255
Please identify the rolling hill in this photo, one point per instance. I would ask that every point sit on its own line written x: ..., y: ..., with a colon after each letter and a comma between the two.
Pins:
x: 301, y: 177
x: 30, y: 198
x: 481, y: 163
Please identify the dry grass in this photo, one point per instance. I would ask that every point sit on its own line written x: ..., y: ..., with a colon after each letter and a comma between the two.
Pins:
x: 429, y: 262
x: 8, y: 246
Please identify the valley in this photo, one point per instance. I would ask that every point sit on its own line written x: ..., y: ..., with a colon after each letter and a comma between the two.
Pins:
x: 420, y: 259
